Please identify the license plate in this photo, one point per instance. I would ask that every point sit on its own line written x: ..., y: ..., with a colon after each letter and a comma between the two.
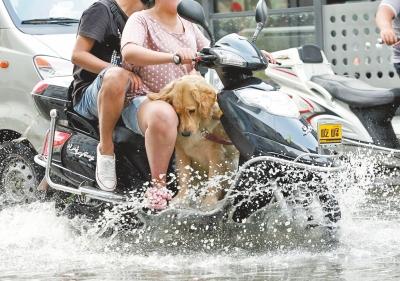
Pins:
x: 329, y: 133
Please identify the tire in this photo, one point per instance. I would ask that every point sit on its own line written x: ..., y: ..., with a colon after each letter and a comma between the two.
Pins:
x: 19, y: 174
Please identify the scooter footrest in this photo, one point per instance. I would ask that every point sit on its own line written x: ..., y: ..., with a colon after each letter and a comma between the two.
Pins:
x: 102, y: 195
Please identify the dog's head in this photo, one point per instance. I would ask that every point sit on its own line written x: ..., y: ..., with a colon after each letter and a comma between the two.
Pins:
x: 193, y: 100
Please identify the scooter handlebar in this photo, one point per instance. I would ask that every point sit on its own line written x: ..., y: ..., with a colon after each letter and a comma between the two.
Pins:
x: 204, y: 58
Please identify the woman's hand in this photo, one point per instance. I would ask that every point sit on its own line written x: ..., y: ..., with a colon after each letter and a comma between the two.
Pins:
x: 269, y: 57
x: 136, y: 82
x: 134, y: 78
x: 187, y: 55
x: 134, y: 86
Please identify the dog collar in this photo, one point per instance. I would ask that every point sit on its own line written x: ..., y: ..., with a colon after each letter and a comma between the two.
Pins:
x: 215, y: 138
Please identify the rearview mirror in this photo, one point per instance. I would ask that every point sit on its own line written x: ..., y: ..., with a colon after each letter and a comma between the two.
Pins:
x: 261, y: 18
x: 192, y: 11
x: 262, y: 12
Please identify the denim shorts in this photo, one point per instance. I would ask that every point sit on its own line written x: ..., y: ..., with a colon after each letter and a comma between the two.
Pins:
x: 87, y: 106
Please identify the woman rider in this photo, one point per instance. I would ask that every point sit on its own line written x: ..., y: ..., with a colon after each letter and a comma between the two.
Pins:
x: 159, y: 46
x: 151, y: 42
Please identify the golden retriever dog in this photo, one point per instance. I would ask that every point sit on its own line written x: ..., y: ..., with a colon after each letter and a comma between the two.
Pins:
x: 202, y: 144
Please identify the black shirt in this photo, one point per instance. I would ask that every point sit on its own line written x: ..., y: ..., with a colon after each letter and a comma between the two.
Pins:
x: 99, y: 23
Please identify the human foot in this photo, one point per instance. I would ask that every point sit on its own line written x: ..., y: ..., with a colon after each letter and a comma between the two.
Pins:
x: 105, y: 171
x: 158, y: 197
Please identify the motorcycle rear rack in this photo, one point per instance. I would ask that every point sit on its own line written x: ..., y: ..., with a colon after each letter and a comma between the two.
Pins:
x: 83, y: 190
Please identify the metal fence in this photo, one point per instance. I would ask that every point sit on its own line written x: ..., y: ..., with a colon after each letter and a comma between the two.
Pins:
x: 350, y: 43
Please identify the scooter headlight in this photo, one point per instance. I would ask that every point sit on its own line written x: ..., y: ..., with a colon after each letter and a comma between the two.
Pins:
x: 49, y: 67
x: 229, y: 58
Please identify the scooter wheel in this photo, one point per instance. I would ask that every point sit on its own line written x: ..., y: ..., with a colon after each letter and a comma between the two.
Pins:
x: 19, y: 174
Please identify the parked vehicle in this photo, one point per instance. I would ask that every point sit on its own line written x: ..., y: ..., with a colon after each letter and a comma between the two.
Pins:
x: 277, y: 146
x: 365, y: 112
x: 36, y: 41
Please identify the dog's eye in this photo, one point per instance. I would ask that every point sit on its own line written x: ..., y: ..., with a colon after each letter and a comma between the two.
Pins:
x: 192, y: 111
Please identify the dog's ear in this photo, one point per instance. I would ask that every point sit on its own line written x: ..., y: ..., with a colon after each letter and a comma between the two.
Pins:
x: 206, y: 96
x: 166, y: 93
x: 216, y: 112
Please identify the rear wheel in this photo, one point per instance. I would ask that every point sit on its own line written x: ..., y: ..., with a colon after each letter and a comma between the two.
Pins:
x: 19, y: 174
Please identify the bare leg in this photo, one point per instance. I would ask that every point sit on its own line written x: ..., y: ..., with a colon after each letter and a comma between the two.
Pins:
x: 158, y: 121
x: 110, y: 105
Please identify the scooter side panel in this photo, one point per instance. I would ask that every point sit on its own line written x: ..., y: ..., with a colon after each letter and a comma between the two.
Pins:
x: 257, y: 132
x: 79, y: 156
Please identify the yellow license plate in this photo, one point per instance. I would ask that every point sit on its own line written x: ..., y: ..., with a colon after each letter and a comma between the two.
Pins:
x: 329, y: 133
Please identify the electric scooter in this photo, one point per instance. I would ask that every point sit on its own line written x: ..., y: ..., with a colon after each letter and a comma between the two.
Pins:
x: 282, y: 161
x: 365, y: 112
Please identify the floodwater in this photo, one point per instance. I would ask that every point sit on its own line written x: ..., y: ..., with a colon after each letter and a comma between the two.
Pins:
x: 36, y: 244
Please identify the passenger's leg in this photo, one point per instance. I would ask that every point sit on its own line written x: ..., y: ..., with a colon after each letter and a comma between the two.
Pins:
x: 158, y: 122
x: 104, y: 99
x: 110, y: 105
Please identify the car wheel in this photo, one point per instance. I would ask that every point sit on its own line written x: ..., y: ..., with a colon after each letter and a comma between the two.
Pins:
x: 19, y: 174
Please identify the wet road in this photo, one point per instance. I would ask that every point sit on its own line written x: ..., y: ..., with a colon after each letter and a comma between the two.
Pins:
x: 35, y: 244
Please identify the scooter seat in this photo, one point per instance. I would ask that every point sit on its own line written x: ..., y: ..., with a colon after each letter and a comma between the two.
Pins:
x: 357, y: 93
x: 82, y: 123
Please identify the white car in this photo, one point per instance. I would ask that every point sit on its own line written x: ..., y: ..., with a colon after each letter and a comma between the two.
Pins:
x: 36, y: 41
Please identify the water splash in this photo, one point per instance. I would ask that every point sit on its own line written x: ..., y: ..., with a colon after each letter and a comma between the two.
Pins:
x: 35, y: 243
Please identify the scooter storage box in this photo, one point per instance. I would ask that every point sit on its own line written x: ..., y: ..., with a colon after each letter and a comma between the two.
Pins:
x: 53, y: 97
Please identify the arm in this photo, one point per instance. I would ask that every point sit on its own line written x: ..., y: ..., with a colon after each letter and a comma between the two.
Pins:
x: 140, y: 56
x: 384, y: 19
x: 133, y: 44
x: 93, y: 27
x: 82, y: 57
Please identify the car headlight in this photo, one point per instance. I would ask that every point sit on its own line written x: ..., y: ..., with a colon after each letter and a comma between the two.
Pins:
x: 229, y: 58
x: 49, y: 67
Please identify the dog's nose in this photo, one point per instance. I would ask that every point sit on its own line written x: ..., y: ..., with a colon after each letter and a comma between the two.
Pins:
x: 186, y: 134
